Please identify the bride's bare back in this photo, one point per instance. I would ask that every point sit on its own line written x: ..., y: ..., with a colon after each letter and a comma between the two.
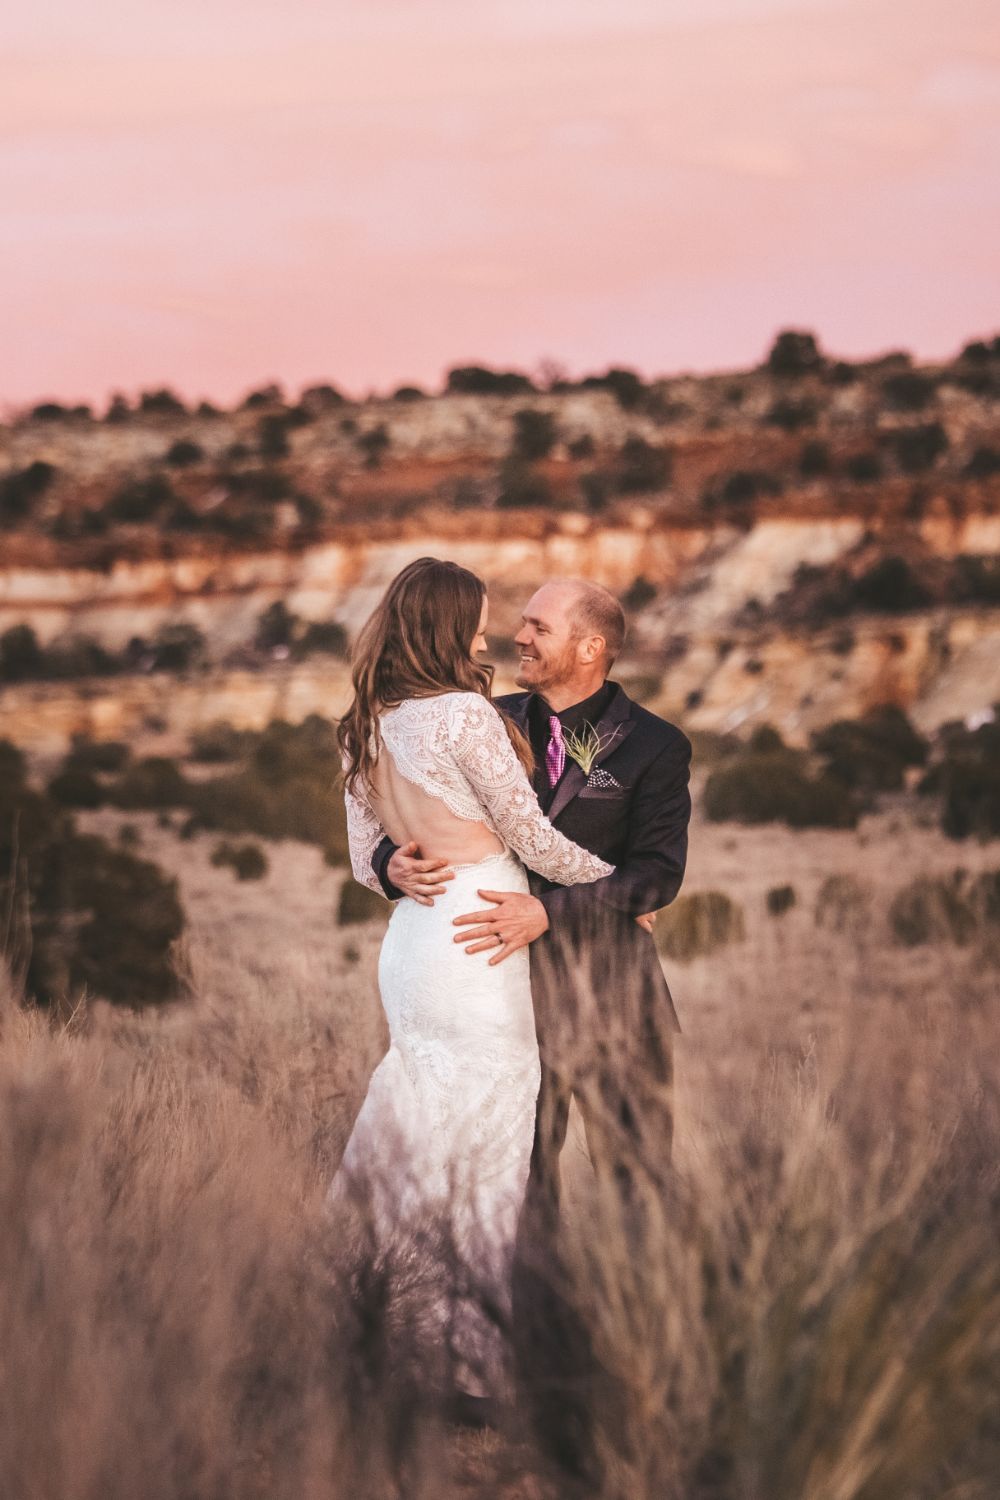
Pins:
x: 408, y: 813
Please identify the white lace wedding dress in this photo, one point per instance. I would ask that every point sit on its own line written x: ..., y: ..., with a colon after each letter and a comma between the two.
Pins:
x: 441, y: 1146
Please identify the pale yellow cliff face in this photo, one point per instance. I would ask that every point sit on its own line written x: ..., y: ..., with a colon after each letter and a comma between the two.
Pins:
x: 44, y: 717
x: 940, y: 665
x: 714, y: 571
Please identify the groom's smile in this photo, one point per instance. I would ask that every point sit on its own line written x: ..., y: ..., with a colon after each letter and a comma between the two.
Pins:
x: 545, y: 641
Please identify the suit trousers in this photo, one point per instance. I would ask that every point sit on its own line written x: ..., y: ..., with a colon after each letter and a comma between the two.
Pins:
x: 605, y: 1036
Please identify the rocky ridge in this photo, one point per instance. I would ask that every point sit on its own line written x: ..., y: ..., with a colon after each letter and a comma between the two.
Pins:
x: 793, y: 546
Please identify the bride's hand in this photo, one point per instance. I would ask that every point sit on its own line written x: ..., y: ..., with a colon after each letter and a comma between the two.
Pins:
x: 420, y: 879
x: 646, y: 920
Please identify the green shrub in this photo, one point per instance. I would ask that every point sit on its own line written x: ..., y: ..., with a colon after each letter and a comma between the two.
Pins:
x: 276, y: 627
x: 983, y: 464
x: 967, y: 778
x: 976, y: 352
x: 49, y: 411
x: 975, y: 580
x: 842, y: 372
x: 475, y: 380
x: 219, y: 742
x: 535, y: 434
x: 21, y: 656
x: 814, y: 459
x: 74, y: 787
x: 766, y: 740
x: 152, y: 783
x: 320, y: 399
x: 183, y: 452
x: 844, y: 904
x: 140, y: 500
x: 374, y: 444
x: 984, y: 897
x: 13, y: 767
x: 108, y: 756
x: 697, y: 925
x: 118, y: 410
x: 265, y: 395
x: 521, y: 488
x: 288, y: 786
x: 596, y: 489
x: 161, y: 403
x: 328, y: 637
x: 272, y: 436
x: 779, y: 899
x: 933, y: 909
x: 872, y: 753
x: 740, y: 488
x: 775, y: 787
x: 628, y: 388
x: 795, y: 352
x: 909, y: 390
x: 978, y: 381
x: 80, y: 913
x: 791, y: 415
x: 176, y: 648
x: 864, y: 467
x: 78, y: 656
x: 358, y: 904
x: 919, y: 448
x: 890, y: 585
x: 21, y: 488
x: 642, y: 468
x: 135, y: 916
x: 247, y: 861
x: 639, y: 594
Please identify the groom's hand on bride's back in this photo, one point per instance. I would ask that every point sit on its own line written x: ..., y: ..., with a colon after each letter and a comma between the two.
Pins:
x: 420, y: 879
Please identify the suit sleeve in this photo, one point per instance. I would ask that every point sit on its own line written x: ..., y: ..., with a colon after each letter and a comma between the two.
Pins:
x: 650, y: 873
x: 384, y: 851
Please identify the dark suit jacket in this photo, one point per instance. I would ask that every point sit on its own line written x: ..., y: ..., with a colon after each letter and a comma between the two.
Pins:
x: 635, y: 815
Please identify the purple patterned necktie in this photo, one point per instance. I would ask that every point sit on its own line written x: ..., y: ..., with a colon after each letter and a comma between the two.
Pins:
x: 555, y: 755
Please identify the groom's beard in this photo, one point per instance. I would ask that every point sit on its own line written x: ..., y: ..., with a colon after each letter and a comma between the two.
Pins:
x: 544, y: 673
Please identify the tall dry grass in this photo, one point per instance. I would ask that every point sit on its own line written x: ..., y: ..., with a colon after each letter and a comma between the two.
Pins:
x: 805, y: 1307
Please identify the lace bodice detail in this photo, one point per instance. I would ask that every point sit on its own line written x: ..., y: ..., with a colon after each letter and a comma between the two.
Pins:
x: 454, y: 747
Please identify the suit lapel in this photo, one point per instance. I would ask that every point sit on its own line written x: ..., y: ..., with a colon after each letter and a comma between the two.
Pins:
x: 614, y: 727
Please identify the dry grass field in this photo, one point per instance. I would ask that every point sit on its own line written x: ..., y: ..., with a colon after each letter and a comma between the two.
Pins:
x: 809, y: 1311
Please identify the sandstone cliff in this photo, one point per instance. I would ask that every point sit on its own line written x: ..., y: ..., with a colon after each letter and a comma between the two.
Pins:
x: 744, y: 518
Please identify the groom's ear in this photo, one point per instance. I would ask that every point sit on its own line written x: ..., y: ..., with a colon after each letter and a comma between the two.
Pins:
x: 592, y: 648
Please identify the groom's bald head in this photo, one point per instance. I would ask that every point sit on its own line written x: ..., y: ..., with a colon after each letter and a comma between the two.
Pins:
x: 594, y: 610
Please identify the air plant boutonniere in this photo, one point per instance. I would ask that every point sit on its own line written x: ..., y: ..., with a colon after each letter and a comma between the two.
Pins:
x: 584, y: 745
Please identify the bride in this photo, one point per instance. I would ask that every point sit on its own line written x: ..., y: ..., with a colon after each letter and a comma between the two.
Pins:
x: 440, y: 1150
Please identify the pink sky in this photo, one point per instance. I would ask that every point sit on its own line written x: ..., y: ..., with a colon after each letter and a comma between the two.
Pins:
x: 213, y: 193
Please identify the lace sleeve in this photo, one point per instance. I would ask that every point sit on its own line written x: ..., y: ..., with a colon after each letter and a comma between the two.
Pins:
x: 486, y: 756
x: 364, y: 834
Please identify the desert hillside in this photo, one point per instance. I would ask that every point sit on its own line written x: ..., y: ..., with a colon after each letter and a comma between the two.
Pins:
x: 795, y: 543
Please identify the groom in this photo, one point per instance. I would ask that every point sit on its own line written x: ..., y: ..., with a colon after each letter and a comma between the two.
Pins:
x: 614, y: 778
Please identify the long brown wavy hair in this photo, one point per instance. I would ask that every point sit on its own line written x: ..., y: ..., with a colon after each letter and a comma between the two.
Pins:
x: 416, y: 643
